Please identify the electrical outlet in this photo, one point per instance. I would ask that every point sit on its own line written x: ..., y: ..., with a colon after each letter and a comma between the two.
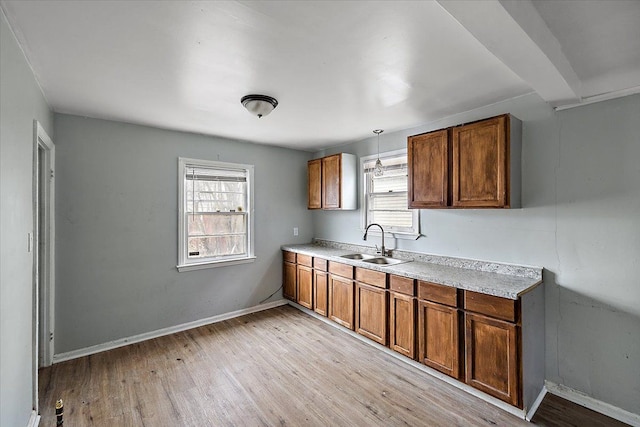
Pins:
x: 295, y: 231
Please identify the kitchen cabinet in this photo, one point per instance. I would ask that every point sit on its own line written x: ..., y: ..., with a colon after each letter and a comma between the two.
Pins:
x: 491, y: 345
x: 305, y: 281
x: 428, y: 160
x: 341, y: 294
x: 305, y: 286
x: 314, y: 180
x: 402, y: 315
x: 371, y: 305
x: 439, y: 344
x: 289, y: 275
x: 320, y: 286
x: 488, y: 342
x: 492, y: 357
x: 475, y: 165
x: 332, y: 182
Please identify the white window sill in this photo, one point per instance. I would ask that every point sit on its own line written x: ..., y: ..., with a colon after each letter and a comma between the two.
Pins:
x: 214, y: 264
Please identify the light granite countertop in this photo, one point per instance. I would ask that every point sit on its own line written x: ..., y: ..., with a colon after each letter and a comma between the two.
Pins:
x: 498, y: 279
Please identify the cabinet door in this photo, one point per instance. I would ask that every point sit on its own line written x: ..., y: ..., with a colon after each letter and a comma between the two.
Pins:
x: 428, y: 158
x: 492, y: 357
x: 402, y: 315
x: 439, y: 337
x: 320, y: 292
x: 371, y: 313
x: 314, y: 177
x: 289, y: 274
x: 305, y: 286
x: 331, y: 175
x: 341, y: 301
x: 480, y: 164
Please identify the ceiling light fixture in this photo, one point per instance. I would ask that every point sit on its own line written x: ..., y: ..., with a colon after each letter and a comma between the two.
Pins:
x: 259, y: 105
x: 377, y: 169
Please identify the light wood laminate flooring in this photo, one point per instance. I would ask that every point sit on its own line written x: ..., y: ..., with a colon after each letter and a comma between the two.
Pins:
x: 275, y: 367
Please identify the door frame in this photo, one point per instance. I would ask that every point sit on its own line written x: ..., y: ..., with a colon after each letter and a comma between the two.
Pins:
x: 43, y: 299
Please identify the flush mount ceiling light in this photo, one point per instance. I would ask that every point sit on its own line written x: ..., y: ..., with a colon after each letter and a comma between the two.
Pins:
x: 259, y: 105
x: 377, y: 169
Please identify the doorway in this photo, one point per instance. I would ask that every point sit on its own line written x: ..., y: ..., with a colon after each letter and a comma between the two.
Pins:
x: 43, y: 252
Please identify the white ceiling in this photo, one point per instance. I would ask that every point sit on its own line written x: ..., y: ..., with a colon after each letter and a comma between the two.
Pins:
x: 338, y: 68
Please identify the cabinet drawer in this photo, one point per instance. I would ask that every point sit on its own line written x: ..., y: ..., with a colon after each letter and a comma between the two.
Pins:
x: 403, y: 285
x: 343, y: 270
x: 304, y: 260
x: 289, y: 256
x: 438, y: 293
x: 320, y: 264
x: 371, y: 277
x: 497, y: 307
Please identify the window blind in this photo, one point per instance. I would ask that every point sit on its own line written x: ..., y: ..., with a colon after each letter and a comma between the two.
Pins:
x: 216, y: 205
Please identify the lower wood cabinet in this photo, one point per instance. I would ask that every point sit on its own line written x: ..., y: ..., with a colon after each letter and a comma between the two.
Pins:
x: 491, y: 343
x: 305, y: 286
x: 371, y: 312
x: 492, y: 363
x: 402, y: 320
x: 439, y: 337
x: 321, y: 292
x: 341, y: 307
x: 289, y: 281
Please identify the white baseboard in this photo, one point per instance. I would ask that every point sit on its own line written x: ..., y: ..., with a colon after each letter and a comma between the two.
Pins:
x: 462, y: 386
x: 74, y: 354
x: 536, y: 404
x: 34, y: 419
x: 589, y: 402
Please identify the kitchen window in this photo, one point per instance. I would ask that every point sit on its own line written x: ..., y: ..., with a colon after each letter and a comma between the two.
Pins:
x: 384, y: 198
x: 215, y: 226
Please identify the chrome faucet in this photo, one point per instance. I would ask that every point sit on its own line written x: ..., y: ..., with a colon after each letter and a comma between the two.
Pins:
x: 382, y: 249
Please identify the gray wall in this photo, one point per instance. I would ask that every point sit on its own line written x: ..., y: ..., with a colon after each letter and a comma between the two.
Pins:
x: 21, y: 102
x: 116, y: 225
x: 580, y: 220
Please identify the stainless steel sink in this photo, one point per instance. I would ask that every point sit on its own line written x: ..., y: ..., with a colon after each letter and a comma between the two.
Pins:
x: 384, y: 261
x: 361, y: 257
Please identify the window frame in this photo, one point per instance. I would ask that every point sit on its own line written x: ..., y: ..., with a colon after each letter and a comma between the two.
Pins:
x: 183, y: 261
x: 414, y: 233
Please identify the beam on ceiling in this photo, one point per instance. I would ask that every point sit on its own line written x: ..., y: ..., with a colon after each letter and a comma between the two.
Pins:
x: 516, y: 34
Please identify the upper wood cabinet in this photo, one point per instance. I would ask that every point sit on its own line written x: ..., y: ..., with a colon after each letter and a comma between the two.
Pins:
x: 474, y: 165
x: 314, y: 179
x: 428, y: 158
x: 480, y: 165
x: 332, y: 182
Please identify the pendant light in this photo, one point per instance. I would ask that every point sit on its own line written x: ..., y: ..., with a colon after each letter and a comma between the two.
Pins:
x: 377, y: 169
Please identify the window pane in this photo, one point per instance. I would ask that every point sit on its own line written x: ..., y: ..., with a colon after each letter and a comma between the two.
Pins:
x: 389, y: 201
x: 386, y: 197
x: 216, y: 224
x: 392, y: 218
x: 216, y: 196
x: 388, y: 183
x: 203, y: 247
